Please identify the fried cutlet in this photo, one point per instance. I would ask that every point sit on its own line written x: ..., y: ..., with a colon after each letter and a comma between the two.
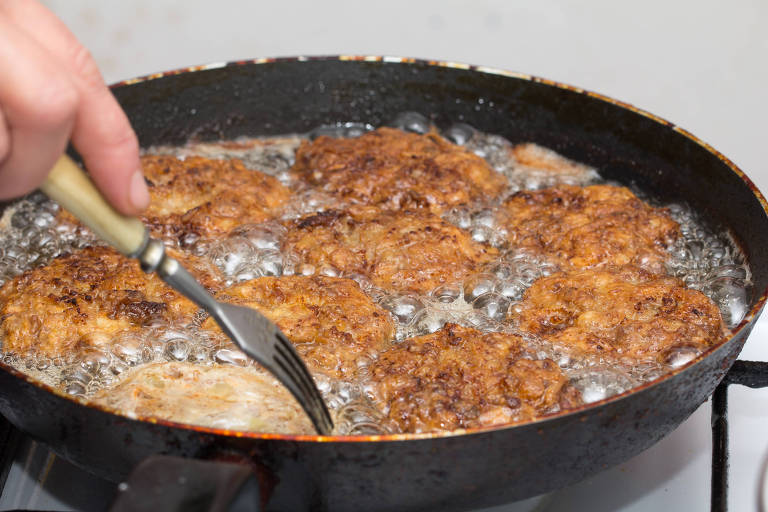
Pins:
x: 197, y: 197
x: 460, y: 377
x: 619, y: 314
x: 224, y: 397
x: 394, y: 169
x: 86, y: 298
x: 332, y: 322
x: 584, y: 227
x: 407, y: 250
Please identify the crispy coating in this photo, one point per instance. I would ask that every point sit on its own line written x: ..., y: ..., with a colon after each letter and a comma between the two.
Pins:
x: 225, y: 397
x: 620, y: 314
x: 84, y: 299
x: 395, y: 169
x: 589, y: 226
x: 459, y: 377
x: 408, y: 250
x: 200, y: 197
x: 332, y: 322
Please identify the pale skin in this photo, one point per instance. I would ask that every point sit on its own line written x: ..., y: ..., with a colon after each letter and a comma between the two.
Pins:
x: 51, y: 93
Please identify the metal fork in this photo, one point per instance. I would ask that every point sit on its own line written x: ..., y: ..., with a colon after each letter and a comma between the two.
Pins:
x: 254, y: 333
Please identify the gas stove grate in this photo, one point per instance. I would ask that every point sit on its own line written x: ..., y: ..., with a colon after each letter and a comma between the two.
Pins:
x: 752, y: 374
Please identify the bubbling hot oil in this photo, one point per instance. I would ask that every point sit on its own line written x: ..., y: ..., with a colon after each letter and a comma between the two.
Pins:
x: 30, y: 237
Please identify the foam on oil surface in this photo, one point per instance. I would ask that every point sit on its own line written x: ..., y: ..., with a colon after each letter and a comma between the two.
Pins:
x: 29, y: 237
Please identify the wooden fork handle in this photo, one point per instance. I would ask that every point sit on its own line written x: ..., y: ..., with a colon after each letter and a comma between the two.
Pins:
x: 74, y: 191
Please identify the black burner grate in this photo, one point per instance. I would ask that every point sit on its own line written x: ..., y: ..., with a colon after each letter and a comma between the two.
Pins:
x: 752, y: 374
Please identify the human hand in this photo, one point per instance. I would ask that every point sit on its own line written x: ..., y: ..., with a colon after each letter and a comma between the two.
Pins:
x: 51, y: 91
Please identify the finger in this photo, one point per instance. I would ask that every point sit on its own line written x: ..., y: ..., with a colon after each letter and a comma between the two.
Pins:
x: 5, y: 138
x: 102, y: 134
x: 38, y: 102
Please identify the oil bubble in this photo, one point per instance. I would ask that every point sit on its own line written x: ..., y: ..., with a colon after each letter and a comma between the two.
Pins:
x: 198, y: 354
x: 597, y: 383
x: 459, y: 133
x: 231, y: 253
x: 306, y: 269
x: 680, y: 355
x: 261, y: 236
x: 177, y: 349
x: 411, y: 122
x: 478, y: 285
x: 428, y: 322
x: 492, y: 305
x: 404, y: 307
x: 446, y: 294
x: 348, y: 130
x: 131, y: 350
x: 232, y: 357
x: 75, y: 388
x: 94, y: 360
x: 511, y: 289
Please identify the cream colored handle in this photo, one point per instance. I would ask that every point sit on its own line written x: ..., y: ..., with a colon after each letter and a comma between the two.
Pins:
x: 69, y: 186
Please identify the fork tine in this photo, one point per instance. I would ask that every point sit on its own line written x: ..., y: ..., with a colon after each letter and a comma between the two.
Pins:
x: 284, y: 375
x: 279, y: 371
x: 309, y: 382
x: 290, y: 368
x: 287, y: 352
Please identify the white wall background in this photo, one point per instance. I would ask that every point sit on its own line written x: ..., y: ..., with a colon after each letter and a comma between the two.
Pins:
x: 701, y: 64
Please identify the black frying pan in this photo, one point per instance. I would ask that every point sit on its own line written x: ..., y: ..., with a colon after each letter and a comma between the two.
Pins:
x: 476, y: 468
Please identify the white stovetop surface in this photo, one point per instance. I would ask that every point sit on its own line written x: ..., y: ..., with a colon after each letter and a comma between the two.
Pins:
x: 702, y: 64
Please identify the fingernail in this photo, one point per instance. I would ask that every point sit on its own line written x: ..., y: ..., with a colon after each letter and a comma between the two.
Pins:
x: 138, y: 193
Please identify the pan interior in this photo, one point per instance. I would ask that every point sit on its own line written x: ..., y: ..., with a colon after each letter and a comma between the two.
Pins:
x: 705, y: 258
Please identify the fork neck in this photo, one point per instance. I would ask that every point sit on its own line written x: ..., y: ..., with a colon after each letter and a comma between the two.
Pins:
x: 153, y: 258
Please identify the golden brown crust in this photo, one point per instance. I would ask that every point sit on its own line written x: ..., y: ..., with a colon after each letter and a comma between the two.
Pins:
x: 201, y: 197
x: 395, y: 169
x: 625, y: 314
x: 589, y: 226
x: 332, y: 322
x: 459, y: 377
x: 409, y: 250
x: 225, y: 397
x: 84, y: 299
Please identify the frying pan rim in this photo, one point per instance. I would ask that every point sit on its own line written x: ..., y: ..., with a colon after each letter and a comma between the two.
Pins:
x: 748, y: 319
